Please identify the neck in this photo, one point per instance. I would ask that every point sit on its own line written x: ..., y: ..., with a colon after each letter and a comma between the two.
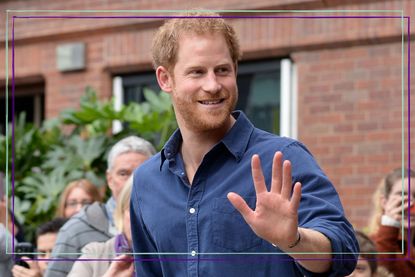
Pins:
x: 196, y: 144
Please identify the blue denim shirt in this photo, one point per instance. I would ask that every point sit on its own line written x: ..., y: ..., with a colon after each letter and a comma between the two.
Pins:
x: 185, y: 230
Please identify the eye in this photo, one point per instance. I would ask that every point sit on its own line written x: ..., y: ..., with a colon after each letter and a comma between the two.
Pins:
x: 223, y: 70
x: 124, y: 173
x: 196, y: 72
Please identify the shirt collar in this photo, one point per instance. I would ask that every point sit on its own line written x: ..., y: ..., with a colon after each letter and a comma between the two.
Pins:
x: 236, y: 140
x: 171, y: 147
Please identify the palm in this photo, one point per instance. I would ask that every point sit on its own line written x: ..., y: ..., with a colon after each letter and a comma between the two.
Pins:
x: 275, y: 217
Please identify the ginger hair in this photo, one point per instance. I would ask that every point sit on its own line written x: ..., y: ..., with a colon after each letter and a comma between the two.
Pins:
x: 165, y: 43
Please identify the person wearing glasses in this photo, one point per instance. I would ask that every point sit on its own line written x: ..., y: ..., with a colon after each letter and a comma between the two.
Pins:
x: 95, y: 222
x: 76, y: 195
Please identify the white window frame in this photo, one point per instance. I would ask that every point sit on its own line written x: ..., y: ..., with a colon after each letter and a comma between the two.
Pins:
x: 288, y: 99
x: 117, y: 90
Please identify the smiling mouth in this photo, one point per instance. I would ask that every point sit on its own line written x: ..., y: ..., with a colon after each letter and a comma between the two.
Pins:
x: 211, y: 102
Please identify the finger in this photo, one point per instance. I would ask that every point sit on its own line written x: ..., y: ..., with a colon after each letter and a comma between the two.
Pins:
x: 295, y: 199
x: 30, y: 262
x: 257, y: 175
x: 397, y: 201
x: 131, y: 269
x: 396, y: 214
x: 123, y: 257
x: 286, y: 180
x: 239, y: 203
x: 19, y: 271
x: 16, y: 271
x: 276, y: 173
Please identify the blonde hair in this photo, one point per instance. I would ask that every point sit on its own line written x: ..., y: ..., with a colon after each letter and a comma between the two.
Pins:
x: 384, y: 189
x: 166, y: 41
x: 123, y: 203
x: 83, y: 184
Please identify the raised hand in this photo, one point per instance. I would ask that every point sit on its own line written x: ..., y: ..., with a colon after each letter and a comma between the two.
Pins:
x: 275, y: 217
x: 33, y: 271
x: 393, y: 206
x: 122, y: 267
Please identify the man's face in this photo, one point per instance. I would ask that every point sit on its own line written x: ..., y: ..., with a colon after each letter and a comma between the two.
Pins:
x: 45, y: 245
x: 122, y: 167
x: 203, y: 82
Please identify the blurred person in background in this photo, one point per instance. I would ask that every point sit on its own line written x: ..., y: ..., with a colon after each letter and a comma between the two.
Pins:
x: 367, y: 265
x: 116, y: 247
x: 6, y: 216
x: 45, y: 240
x: 6, y: 243
x: 391, y: 200
x: 76, y: 195
x: 95, y: 222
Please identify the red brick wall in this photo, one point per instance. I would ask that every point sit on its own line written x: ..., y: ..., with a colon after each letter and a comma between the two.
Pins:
x: 350, y: 107
x: 349, y: 72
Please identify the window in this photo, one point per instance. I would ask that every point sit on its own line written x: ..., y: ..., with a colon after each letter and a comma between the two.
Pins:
x: 267, y: 94
x: 28, y: 98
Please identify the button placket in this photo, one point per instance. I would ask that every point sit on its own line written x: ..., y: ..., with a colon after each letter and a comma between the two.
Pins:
x: 192, y: 229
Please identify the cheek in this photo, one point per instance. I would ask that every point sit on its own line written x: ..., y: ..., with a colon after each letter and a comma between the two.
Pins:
x: 43, y: 265
x: 118, y: 181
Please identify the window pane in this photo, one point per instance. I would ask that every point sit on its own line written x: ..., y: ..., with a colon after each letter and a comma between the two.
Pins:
x: 24, y: 101
x: 133, y: 86
x: 259, y: 94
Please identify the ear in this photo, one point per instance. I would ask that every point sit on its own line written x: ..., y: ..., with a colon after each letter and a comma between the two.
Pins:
x: 165, y: 79
x: 108, y: 175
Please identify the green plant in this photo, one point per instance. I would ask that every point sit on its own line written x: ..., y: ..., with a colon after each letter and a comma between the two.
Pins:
x: 46, y: 158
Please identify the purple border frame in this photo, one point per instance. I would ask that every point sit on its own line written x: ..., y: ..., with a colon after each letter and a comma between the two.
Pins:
x: 408, y: 18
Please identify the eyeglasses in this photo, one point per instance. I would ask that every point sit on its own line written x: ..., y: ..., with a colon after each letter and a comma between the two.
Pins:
x: 74, y: 204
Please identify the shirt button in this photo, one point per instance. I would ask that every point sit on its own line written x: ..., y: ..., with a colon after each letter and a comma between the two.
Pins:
x: 193, y: 253
x: 192, y: 210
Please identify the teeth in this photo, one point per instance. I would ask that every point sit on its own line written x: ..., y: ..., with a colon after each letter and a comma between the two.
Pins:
x: 210, y: 102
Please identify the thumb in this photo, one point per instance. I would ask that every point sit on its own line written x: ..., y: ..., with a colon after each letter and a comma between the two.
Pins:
x: 239, y: 203
x: 33, y: 264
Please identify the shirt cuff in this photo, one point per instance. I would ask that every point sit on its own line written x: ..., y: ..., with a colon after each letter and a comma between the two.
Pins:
x: 389, y: 221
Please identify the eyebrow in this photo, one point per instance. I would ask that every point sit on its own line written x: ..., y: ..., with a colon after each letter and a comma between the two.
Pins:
x: 203, y: 66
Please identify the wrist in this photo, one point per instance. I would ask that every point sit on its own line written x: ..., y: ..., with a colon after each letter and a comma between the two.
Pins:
x: 389, y: 221
x: 295, y: 243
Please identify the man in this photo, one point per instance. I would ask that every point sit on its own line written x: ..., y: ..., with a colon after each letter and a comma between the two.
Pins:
x: 45, y: 240
x: 197, y: 198
x: 95, y: 222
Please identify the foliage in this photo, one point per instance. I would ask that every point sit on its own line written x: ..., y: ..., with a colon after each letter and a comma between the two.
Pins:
x: 45, y: 159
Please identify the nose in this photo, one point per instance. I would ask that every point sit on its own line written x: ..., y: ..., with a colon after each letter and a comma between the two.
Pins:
x: 211, y: 84
x: 78, y: 207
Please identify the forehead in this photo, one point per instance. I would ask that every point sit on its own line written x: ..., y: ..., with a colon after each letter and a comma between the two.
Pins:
x: 129, y: 160
x: 194, y: 48
x: 77, y: 193
x: 46, y: 241
x: 398, y: 186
